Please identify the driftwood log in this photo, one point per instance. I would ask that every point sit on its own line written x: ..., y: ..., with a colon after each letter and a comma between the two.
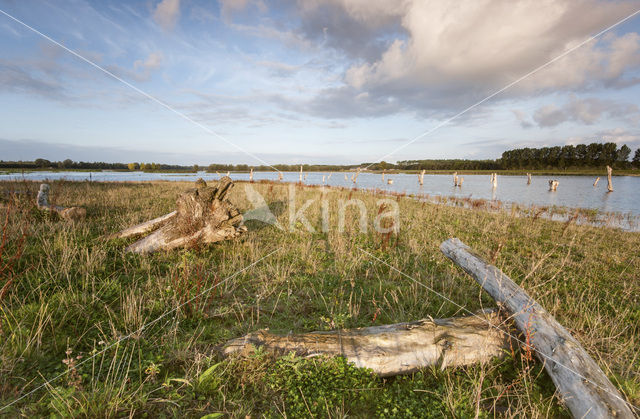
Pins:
x: 203, y: 216
x: 71, y: 213
x: 583, y: 386
x: 396, y: 348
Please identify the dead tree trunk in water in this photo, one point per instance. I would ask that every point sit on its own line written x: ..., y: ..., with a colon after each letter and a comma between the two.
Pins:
x: 609, y: 184
x: 528, y: 178
x: 584, y: 388
x: 203, y: 216
x: 396, y: 348
x: 71, y: 213
x: 596, y: 181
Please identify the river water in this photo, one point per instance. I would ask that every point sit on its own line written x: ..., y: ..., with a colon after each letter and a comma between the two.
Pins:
x: 572, y: 192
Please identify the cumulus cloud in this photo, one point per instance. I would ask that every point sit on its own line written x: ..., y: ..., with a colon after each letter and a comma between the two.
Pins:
x: 166, y: 13
x: 435, y: 55
x: 586, y: 111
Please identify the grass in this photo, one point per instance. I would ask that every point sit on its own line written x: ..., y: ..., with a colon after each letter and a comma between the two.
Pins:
x: 72, y: 294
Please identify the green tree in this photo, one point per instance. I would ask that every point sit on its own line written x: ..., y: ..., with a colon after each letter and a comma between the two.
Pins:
x: 133, y: 166
x: 42, y: 163
x: 622, y: 156
x: 636, y: 159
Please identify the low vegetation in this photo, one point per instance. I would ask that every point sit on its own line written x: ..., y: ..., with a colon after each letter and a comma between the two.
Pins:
x: 73, y: 306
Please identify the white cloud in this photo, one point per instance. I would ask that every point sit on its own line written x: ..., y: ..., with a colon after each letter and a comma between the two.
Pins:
x: 493, y: 42
x: 166, y: 13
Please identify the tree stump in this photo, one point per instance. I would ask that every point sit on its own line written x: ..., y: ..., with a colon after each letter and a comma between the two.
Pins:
x: 71, y: 213
x: 203, y: 216
x: 609, y: 183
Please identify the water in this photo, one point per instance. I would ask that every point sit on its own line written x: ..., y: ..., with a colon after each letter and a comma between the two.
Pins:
x: 573, y: 191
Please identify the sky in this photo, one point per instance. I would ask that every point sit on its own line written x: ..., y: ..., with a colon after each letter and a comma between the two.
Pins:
x: 313, y: 81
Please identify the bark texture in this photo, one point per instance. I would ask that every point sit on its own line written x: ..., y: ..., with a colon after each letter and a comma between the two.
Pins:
x: 397, y: 348
x: 583, y: 386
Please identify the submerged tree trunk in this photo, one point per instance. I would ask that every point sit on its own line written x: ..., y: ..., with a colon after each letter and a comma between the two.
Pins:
x: 71, y: 213
x: 583, y: 387
x: 203, y: 216
x: 396, y: 348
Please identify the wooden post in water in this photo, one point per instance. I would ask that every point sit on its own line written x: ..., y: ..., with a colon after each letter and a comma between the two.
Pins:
x: 354, y: 178
x: 455, y: 178
x: 553, y: 185
x: 280, y: 175
x: 580, y: 382
x: 596, y: 182
x: 421, y: 177
x: 251, y: 175
x: 494, y: 180
x: 300, y: 173
x: 460, y: 180
x: 329, y: 177
x: 609, y: 184
x: 528, y: 178
x: 383, y: 176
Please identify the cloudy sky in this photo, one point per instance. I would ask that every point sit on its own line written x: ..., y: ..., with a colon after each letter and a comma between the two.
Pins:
x: 333, y: 81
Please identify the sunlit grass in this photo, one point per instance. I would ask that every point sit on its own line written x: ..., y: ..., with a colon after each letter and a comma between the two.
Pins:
x: 73, y: 290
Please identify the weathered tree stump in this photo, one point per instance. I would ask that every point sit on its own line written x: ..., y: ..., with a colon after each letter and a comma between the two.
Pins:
x: 553, y: 185
x: 396, y: 348
x: 71, y: 213
x: 203, y: 216
x: 528, y: 178
x: 421, y: 177
x: 609, y: 183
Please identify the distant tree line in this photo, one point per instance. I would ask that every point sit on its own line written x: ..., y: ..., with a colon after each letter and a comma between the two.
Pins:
x: 570, y: 156
x: 449, y: 164
x: 592, y: 155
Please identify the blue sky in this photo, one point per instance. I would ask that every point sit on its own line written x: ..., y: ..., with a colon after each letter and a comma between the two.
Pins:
x: 317, y: 81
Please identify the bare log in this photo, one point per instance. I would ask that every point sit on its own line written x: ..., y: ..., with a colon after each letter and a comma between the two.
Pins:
x: 595, y: 183
x: 396, y: 348
x: 203, y: 216
x: 528, y: 178
x: 609, y: 183
x: 583, y: 386
x: 70, y: 213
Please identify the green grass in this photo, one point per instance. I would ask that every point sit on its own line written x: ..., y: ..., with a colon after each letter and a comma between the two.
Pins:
x: 73, y: 293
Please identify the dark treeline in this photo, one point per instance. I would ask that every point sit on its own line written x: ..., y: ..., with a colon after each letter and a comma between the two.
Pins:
x: 451, y: 164
x: 570, y: 156
x: 82, y: 165
x: 580, y: 156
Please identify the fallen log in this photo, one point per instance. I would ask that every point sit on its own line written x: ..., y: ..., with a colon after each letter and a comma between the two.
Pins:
x: 203, y: 216
x: 70, y: 213
x: 396, y: 348
x: 583, y: 387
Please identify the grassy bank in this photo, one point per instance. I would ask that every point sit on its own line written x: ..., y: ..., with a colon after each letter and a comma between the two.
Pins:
x: 71, y: 295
